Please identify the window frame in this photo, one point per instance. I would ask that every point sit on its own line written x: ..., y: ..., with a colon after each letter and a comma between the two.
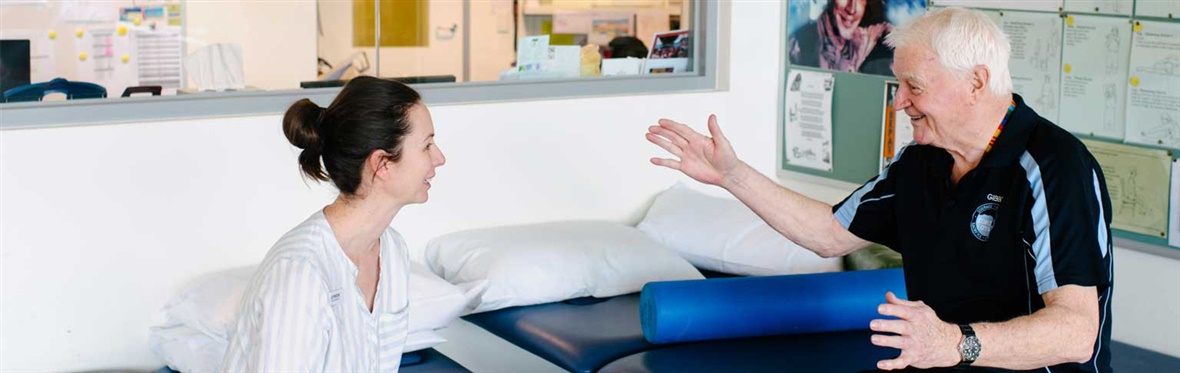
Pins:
x: 48, y: 114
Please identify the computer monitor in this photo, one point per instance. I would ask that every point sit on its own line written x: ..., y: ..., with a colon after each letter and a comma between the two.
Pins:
x: 14, y: 64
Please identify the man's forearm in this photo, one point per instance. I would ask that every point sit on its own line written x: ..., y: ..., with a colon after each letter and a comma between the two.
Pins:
x: 1060, y: 333
x: 805, y: 221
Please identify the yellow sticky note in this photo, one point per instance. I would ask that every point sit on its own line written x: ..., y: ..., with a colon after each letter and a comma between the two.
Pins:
x: 137, y: 21
x: 1138, y: 27
x: 1134, y: 81
x: 52, y: 34
x: 1068, y: 68
x: 79, y: 33
x: 122, y: 30
x: 126, y: 58
x: 82, y: 56
x: 1069, y: 20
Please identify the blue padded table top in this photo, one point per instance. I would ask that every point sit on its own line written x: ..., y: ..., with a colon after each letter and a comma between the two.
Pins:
x: 821, y: 352
x: 848, y: 351
x: 575, y: 337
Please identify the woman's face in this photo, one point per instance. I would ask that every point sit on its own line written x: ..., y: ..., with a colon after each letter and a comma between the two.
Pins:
x: 848, y: 14
x: 420, y: 157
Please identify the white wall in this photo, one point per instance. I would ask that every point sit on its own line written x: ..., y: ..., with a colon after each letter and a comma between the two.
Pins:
x: 98, y: 225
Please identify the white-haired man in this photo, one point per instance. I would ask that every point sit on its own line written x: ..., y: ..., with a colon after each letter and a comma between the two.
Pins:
x: 1002, y: 217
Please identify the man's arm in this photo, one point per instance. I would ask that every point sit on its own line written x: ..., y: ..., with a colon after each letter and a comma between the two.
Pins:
x: 1062, y: 332
x: 712, y: 160
x: 805, y: 221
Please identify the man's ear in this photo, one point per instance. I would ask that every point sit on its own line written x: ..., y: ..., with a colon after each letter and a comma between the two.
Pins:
x: 980, y: 76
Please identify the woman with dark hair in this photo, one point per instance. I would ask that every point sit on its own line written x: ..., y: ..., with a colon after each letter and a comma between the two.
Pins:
x: 849, y: 36
x: 332, y: 293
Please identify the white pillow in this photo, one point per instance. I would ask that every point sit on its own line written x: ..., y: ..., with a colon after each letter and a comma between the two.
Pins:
x: 198, y: 319
x: 542, y: 263
x: 724, y: 235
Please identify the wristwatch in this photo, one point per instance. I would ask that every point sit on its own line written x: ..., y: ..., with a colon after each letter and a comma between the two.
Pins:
x: 969, y: 347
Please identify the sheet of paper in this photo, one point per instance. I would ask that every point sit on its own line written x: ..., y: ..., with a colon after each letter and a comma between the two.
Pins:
x: 87, y: 11
x: 1157, y: 8
x: 1174, y: 222
x: 1137, y: 179
x: 896, y: 131
x: 622, y: 66
x: 157, y: 56
x: 1153, y: 100
x: 571, y: 22
x: 42, y: 53
x: 1046, y: 5
x: 605, y: 26
x: 105, y: 58
x: 1094, y: 72
x: 1036, y: 58
x: 807, y: 137
x: 1122, y: 7
x: 564, y: 61
x: 531, y: 53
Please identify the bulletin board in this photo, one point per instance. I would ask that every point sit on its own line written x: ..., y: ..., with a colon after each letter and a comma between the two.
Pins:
x: 1062, y: 50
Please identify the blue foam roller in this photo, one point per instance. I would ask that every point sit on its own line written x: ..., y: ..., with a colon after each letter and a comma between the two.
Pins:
x: 697, y: 310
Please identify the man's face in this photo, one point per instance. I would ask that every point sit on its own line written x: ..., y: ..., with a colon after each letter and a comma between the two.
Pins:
x: 848, y: 15
x: 935, y: 99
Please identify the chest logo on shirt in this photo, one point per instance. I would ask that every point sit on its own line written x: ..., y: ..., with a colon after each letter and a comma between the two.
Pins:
x: 984, y: 219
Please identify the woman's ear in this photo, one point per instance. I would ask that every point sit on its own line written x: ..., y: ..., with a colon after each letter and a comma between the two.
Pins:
x: 378, y: 163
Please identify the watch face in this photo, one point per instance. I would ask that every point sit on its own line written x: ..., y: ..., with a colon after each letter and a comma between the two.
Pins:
x: 970, y: 348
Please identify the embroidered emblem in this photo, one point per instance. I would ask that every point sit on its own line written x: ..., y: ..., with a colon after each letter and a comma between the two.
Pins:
x: 983, y: 220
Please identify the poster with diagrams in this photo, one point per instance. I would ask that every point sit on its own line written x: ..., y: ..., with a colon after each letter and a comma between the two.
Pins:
x: 1153, y: 99
x: 1174, y: 221
x: 1158, y: 8
x: 1137, y: 180
x: 1044, y: 5
x: 807, y: 135
x: 1094, y: 72
x: 1113, y: 7
x: 1036, y: 58
x: 896, y: 130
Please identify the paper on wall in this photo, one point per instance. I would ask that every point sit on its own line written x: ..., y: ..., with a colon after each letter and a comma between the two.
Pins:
x: 571, y: 22
x: 1036, y: 58
x: 1137, y: 180
x: 897, y: 131
x: 1174, y: 224
x: 1045, y: 5
x: 807, y: 135
x: 1153, y: 99
x: 1094, y: 75
x: 1122, y: 7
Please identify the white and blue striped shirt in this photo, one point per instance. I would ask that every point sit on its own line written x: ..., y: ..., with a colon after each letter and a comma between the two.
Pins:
x: 303, y: 311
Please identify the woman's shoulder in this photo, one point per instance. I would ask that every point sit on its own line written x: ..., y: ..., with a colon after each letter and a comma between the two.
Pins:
x: 304, y: 242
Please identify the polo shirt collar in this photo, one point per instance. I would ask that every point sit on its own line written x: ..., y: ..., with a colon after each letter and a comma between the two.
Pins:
x: 1013, y: 140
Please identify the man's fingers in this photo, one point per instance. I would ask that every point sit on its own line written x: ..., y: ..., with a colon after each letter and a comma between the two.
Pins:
x: 669, y: 163
x: 898, y: 311
x: 664, y: 143
x: 890, y: 326
x: 893, y: 299
x: 680, y: 129
x: 891, y: 341
x: 899, y: 363
x: 715, y: 131
x: 672, y: 137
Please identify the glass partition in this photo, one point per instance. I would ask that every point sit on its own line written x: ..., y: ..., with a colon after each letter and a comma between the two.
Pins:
x: 80, y: 55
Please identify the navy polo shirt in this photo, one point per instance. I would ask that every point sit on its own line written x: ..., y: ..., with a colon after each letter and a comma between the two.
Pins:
x: 1034, y: 215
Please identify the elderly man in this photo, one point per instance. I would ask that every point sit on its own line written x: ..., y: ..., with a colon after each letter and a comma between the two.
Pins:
x: 1003, y: 218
